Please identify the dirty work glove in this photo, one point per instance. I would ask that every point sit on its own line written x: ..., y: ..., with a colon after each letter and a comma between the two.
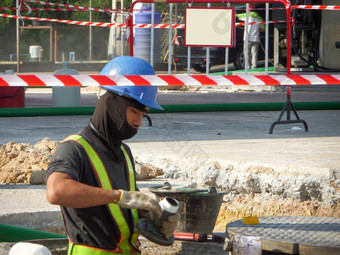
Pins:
x: 169, y: 225
x: 145, y: 214
x: 138, y: 200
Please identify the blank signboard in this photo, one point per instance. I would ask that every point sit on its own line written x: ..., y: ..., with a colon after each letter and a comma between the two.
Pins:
x: 213, y: 27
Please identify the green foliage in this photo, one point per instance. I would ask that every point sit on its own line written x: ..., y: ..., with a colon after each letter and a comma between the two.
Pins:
x: 4, y: 21
x: 7, y: 30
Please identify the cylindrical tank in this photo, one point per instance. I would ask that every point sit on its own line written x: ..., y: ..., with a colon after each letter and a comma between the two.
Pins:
x: 143, y: 35
x: 35, y: 53
x: 66, y: 96
x: 12, y: 97
x: 329, y: 34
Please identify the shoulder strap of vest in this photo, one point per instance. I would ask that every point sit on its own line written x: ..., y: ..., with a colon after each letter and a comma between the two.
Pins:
x: 105, y: 183
x: 132, y: 181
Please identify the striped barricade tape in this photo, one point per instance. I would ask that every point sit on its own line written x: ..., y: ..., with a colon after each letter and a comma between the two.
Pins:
x: 73, y: 6
x: 47, y: 80
x: 38, y: 9
x: 104, y: 24
x: 71, y: 22
x: 317, y: 7
x: 87, y: 23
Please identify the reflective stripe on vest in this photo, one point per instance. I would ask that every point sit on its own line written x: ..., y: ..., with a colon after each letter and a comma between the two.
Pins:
x: 76, y: 249
x: 124, y: 245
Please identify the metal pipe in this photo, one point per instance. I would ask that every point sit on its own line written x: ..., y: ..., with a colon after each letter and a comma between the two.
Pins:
x: 152, y: 33
x: 170, y: 39
x: 18, y: 37
x: 288, y: 11
x: 88, y: 110
x: 189, y: 56
x: 55, y: 45
x: 122, y: 17
x: 90, y: 33
x: 246, y: 41
x: 267, y: 39
x: 226, y: 60
x: 207, y: 62
x: 51, y: 43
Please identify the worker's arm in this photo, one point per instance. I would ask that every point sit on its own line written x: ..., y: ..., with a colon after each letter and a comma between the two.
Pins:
x: 63, y: 190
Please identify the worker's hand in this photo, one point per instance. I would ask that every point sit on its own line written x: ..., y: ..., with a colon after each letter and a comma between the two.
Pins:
x: 138, y: 200
x: 169, y: 225
x: 145, y: 214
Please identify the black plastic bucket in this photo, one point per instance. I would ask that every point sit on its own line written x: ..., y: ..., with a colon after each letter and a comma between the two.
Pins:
x: 198, y: 209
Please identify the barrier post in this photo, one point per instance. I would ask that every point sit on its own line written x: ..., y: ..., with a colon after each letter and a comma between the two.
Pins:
x: 288, y: 107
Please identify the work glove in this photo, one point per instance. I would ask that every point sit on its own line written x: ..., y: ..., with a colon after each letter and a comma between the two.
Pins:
x: 169, y: 225
x: 138, y: 200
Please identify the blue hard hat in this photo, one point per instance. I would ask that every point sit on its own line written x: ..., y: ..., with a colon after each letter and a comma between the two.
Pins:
x: 126, y: 65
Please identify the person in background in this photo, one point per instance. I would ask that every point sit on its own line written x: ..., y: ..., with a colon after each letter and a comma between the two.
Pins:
x: 253, y: 35
x: 92, y: 174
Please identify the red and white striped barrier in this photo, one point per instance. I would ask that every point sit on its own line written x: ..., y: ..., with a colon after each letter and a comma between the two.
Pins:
x: 71, y: 22
x: 38, y: 9
x: 73, y: 6
x: 47, y: 80
x: 103, y: 24
x: 317, y: 7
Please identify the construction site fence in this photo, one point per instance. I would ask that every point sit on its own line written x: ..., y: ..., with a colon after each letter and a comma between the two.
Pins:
x: 100, y: 50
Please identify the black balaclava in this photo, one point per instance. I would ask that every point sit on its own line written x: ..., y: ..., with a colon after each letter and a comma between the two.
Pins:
x: 109, y: 118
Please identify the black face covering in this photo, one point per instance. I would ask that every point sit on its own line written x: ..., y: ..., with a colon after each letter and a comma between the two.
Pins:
x: 109, y: 118
x: 126, y: 131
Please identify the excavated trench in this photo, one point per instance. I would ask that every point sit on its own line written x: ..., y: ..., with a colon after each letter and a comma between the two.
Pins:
x: 250, y: 190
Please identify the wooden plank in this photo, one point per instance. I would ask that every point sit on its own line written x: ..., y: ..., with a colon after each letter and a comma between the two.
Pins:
x: 312, y: 250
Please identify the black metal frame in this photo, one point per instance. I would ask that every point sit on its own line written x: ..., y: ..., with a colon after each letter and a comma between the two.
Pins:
x: 288, y: 107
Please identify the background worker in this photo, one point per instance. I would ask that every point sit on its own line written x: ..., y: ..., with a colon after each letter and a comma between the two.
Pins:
x: 92, y: 175
x: 253, y: 35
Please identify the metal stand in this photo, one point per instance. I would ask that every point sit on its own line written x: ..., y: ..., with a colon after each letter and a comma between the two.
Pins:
x: 149, y: 119
x: 288, y: 107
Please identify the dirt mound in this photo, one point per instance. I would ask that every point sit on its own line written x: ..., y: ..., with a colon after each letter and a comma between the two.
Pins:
x: 19, y: 160
x: 27, y: 164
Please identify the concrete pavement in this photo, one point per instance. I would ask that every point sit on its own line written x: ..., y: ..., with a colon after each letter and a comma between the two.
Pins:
x: 239, y: 136
x: 234, y: 129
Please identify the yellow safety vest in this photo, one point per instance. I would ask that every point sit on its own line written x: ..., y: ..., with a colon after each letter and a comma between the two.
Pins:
x: 124, y: 245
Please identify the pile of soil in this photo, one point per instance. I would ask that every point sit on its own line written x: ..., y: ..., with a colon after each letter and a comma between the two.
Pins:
x: 18, y: 161
x: 27, y: 164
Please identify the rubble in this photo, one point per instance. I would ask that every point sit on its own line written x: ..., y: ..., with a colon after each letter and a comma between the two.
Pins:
x: 27, y: 164
x: 253, y: 190
x: 19, y: 160
x: 146, y: 171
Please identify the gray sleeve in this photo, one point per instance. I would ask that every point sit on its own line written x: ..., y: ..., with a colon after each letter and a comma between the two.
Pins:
x: 68, y: 159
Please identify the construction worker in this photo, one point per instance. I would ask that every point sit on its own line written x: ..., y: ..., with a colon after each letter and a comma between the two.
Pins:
x: 253, y: 35
x: 92, y: 177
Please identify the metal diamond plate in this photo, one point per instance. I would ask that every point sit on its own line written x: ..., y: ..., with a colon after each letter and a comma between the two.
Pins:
x: 301, y: 230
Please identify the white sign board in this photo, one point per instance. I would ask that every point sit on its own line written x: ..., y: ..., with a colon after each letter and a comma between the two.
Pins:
x: 211, y: 27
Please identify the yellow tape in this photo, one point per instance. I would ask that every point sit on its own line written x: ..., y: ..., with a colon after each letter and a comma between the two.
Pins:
x: 121, y: 196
